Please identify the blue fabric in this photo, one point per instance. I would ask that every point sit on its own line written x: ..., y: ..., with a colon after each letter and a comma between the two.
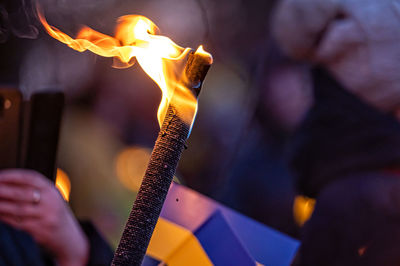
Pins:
x: 221, y: 244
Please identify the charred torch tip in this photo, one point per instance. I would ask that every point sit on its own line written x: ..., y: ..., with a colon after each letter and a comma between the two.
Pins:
x: 196, y: 69
x: 200, y: 51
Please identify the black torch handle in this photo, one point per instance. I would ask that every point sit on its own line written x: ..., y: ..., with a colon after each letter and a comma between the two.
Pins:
x: 153, y: 191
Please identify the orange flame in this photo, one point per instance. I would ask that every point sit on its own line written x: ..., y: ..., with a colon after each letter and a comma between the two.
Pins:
x: 63, y: 184
x: 303, y: 208
x: 135, y: 37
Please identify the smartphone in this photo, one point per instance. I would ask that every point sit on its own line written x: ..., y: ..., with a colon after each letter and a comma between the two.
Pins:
x: 10, y: 123
x: 43, y: 116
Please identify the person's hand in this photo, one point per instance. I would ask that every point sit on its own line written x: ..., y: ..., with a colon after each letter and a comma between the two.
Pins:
x: 30, y: 202
x: 356, y: 41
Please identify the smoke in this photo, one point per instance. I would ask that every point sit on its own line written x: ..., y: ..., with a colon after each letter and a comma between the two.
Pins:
x: 17, y: 17
x: 47, y: 64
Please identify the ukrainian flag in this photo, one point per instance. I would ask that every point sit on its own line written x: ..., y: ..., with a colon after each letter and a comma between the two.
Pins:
x: 195, y: 230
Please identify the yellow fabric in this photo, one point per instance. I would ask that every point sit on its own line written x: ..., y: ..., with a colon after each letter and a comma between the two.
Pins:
x: 176, y: 245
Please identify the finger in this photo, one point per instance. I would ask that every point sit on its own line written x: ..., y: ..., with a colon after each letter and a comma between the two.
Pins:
x: 11, y: 220
x: 28, y: 225
x: 23, y: 177
x: 19, y: 209
x: 17, y: 193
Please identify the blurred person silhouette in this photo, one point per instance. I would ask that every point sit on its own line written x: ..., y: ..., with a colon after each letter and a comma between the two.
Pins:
x: 37, y: 226
x: 346, y: 151
x: 260, y: 184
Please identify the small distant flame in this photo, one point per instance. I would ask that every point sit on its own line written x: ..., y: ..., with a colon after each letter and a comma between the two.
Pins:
x: 136, y: 37
x: 63, y: 184
x: 303, y: 208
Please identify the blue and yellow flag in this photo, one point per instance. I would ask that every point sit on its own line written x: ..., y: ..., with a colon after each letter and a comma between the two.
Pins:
x: 195, y: 230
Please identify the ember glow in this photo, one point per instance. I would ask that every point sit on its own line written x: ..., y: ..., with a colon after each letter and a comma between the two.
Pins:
x: 136, y: 39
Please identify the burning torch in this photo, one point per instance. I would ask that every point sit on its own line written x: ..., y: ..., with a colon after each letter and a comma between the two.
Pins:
x: 179, y: 72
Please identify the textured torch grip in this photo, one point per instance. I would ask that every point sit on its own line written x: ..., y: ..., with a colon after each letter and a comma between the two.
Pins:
x: 153, y: 191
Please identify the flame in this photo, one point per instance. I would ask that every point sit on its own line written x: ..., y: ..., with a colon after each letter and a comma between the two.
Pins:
x: 136, y: 38
x: 63, y: 184
x: 303, y: 208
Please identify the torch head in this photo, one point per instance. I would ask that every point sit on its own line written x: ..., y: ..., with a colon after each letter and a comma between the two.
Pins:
x: 198, y: 64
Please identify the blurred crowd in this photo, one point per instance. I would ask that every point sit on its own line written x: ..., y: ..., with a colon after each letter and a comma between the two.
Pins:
x: 289, y: 106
